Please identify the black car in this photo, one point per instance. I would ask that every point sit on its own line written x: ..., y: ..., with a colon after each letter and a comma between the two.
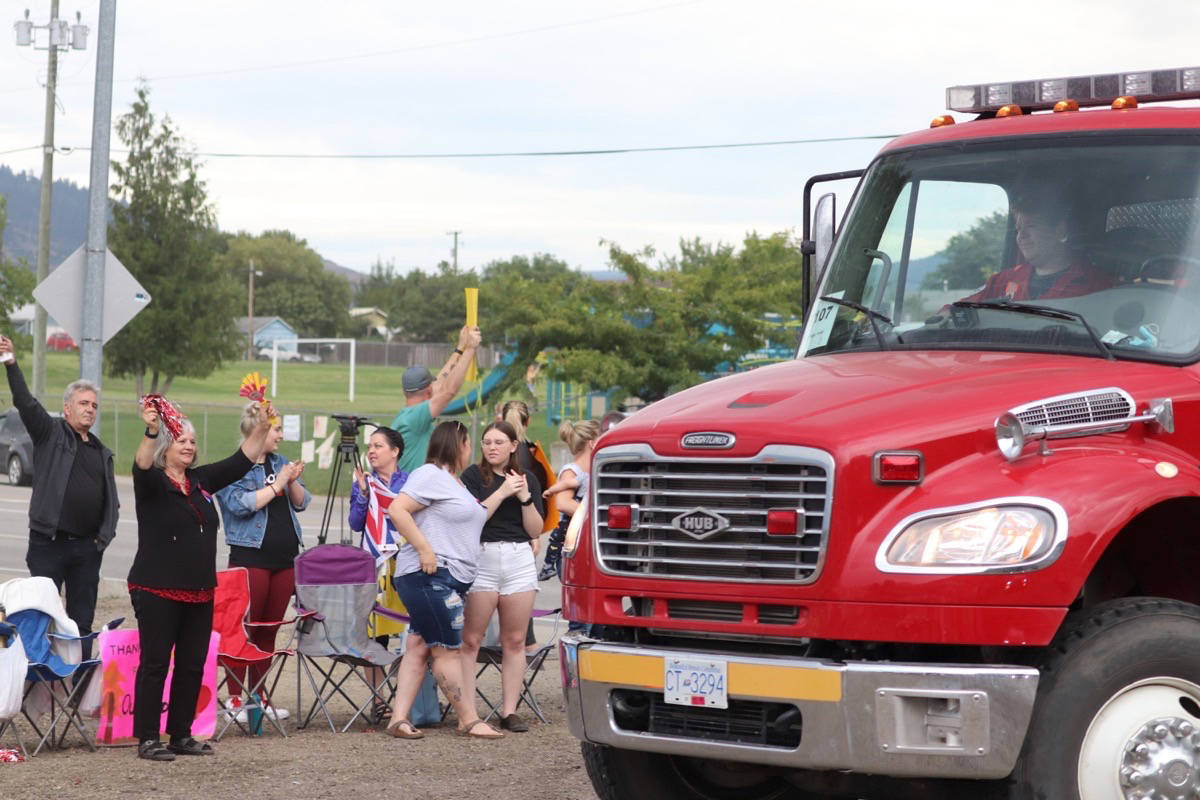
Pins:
x: 16, y: 449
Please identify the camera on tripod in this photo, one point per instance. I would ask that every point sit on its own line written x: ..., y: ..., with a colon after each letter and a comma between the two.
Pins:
x: 349, y: 425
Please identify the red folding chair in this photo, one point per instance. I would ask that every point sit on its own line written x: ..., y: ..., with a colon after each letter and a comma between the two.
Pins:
x: 236, y: 653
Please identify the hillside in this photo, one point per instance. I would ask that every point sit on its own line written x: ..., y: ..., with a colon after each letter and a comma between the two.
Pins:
x: 68, y: 211
x: 69, y: 227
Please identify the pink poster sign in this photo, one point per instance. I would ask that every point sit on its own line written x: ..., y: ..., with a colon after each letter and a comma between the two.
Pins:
x: 120, y: 652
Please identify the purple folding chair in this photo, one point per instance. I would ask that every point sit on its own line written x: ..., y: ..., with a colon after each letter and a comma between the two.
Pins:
x: 338, y: 583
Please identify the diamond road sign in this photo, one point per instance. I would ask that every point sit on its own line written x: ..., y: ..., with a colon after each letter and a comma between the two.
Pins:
x: 61, y: 294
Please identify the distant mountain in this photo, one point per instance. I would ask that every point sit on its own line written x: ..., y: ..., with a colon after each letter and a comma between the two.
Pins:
x: 918, y: 268
x: 69, y: 210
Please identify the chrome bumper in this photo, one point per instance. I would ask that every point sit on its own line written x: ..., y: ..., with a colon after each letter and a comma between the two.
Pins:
x: 917, y: 720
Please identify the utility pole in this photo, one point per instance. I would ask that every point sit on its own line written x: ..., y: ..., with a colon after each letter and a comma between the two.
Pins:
x: 59, y: 35
x: 454, y: 251
x: 91, y: 348
x: 43, y: 253
x: 250, y: 313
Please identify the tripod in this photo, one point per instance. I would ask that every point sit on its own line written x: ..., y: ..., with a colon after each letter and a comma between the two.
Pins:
x: 347, y: 454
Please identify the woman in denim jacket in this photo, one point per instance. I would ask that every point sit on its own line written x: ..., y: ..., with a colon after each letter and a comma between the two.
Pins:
x: 264, y: 536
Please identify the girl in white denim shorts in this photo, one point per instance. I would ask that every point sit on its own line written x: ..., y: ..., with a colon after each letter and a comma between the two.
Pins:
x: 507, y: 577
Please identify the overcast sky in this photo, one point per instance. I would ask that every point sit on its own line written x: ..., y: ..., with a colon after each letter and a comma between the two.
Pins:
x: 371, y: 78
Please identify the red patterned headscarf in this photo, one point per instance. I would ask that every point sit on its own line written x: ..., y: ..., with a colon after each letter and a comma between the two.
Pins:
x: 170, y: 416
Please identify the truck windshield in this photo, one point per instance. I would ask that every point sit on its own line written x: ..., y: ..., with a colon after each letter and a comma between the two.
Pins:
x: 975, y: 246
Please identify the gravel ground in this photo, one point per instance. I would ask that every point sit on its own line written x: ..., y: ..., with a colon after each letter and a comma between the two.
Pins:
x: 544, y: 763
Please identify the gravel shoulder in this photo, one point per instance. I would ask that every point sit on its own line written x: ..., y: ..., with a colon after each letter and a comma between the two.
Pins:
x: 314, y: 763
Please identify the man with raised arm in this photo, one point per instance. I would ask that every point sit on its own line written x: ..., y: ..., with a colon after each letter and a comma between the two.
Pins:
x: 73, y: 507
x: 425, y: 397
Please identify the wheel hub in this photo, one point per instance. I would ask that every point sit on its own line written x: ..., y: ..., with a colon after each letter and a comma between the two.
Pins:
x: 1162, y: 761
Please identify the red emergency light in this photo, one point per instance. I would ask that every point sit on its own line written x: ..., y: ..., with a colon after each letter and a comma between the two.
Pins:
x: 620, y: 517
x: 782, y: 521
x: 898, y: 467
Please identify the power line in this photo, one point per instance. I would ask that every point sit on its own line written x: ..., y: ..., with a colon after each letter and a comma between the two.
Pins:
x: 526, y: 153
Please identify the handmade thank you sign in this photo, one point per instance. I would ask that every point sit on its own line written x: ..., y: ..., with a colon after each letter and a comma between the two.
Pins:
x: 120, y: 653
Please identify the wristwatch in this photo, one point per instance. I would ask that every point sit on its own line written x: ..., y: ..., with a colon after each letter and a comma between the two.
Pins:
x: 150, y: 435
x: 528, y: 502
x: 457, y: 350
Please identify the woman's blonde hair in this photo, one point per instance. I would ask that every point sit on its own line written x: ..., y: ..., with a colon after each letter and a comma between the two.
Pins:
x: 578, y: 434
x: 249, y: 419
x: 516, y: 413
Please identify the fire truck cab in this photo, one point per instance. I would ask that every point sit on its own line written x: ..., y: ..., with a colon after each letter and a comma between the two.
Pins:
x: 953, y: 543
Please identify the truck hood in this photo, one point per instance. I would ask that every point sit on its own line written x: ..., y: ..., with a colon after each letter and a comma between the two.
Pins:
x: 893, y: 399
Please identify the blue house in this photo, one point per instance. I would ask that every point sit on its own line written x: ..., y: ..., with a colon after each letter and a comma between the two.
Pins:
x: 266, y: 331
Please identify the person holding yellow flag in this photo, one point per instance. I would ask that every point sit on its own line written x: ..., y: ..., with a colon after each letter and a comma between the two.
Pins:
x: 425, y: 397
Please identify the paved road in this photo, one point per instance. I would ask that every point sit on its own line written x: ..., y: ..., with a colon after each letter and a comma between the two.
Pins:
x: 14, y: 536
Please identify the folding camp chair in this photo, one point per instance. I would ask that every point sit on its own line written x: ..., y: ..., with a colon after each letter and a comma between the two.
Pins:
x: 336, y: 583
x: 236, y: 653
x: 13, y: 666
x: 52, y: 679
x: 491, y: 656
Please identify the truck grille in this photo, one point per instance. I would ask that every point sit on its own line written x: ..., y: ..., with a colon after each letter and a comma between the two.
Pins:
x: 739, y: 490
x: 1099, y: 405
x: 744, y: 722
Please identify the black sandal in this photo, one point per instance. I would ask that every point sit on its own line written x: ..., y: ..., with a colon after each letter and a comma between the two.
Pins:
x: 381, y: 712
x: 191, y: 747
x: 152, y: 750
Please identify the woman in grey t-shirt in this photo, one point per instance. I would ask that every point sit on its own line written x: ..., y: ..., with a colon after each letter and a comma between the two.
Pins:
x: 440, y: 522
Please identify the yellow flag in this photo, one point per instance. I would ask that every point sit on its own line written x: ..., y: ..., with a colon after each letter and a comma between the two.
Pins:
x: 472, y: 321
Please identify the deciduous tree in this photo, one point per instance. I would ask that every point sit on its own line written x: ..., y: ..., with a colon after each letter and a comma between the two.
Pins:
x: 163, y: 231
x: 16, y: 281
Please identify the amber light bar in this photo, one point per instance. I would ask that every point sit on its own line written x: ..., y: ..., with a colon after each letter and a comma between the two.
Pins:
x: 1087, y: 90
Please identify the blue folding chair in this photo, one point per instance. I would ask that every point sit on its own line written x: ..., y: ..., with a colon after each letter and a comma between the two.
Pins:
x: 64, y: 682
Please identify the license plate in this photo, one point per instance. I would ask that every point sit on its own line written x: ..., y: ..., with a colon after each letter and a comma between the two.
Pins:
x: 689, y: 682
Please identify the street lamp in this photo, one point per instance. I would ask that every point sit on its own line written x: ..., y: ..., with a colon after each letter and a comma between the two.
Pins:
x: 250, y: 312
x: 60, y: 35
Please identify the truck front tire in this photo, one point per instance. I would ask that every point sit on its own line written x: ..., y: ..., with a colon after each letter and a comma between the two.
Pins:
x: 632, y: 775
x: 1118, y: 708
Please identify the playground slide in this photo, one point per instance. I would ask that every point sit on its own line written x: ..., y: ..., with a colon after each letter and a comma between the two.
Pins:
x: 463, y: 403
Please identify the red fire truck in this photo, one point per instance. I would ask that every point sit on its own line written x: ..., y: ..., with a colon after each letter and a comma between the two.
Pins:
x: 954, y: 544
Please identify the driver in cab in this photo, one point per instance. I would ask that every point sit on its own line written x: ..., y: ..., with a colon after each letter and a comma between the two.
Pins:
x: 1050, y: 268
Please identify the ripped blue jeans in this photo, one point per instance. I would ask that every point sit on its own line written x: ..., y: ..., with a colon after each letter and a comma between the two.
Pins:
x: 435, y: 606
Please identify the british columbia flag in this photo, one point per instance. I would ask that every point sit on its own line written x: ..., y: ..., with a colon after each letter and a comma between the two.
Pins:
x: 381, y: 538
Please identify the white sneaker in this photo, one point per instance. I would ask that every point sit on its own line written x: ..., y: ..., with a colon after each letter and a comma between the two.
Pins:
x: 277, y: 713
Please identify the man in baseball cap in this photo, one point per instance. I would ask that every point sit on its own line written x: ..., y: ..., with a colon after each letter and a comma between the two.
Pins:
x: 426, y: 396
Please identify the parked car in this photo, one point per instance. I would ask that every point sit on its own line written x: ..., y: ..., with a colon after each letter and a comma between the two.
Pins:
x: 284, y: 355
x: 60, y: 341
x: 16, y: 449
x: 310, y: 358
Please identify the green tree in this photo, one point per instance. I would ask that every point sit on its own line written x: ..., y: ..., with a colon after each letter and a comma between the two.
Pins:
x: 294, y: 284
x: 16, y: 281
x: 660, y: 329
x: 430, y: 307
x: 971, y: 256
x: 163, y: 230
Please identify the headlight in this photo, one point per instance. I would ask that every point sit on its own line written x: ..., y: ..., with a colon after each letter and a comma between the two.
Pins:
x: 993, y: 537
x: 571, y: 540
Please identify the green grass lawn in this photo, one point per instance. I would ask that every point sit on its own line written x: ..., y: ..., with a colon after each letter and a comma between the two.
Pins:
x: 214, y: 406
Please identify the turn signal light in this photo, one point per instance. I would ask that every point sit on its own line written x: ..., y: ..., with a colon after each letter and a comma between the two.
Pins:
x: 620, y: 517
x: 1009, y: 111
x: 782, y: 521
x: 941, y: 121
x: 1066, y: 105
x: 1125, y: 101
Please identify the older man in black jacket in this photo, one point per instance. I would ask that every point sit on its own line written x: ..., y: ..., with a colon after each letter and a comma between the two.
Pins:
x: 73, y: 508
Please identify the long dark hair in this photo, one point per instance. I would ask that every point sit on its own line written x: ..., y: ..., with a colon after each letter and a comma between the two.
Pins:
x: 513, y: 464
x: 445, y: 444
